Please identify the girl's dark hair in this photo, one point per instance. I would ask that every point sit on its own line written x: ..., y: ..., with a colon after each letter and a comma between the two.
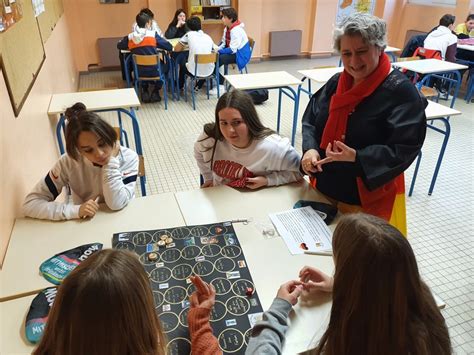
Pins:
x: 80, y: 120
x: 175, y: 18
x: 230, y: 13
x: 104, y: 307
x: 470, y: 17
x: 242, y: 102
x: 380, y: 304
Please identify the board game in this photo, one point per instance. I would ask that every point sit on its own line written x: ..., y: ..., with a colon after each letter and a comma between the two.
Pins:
x: 170, y: 256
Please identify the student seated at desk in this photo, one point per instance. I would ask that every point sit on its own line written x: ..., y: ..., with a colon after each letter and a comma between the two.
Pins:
x: 198, y: 43
x: 234, y: 46
x: 105, y: 307
x: 380, y: 304
x: 95, y: 169
x: 144, y: 41
x: 177, y: 28
x: 466, y: 29
x: 154, y: 24
x: 238, y: 151
x: 443, y: 39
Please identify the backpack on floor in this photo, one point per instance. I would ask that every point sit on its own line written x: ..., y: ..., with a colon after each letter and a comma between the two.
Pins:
x: 258, y: 96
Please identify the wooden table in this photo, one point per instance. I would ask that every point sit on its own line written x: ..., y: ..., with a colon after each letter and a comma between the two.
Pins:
x: 280, y: 80
x: 120, y: 100
x: 13, y: 339
x: 33, y: 241
x: 269, y: 260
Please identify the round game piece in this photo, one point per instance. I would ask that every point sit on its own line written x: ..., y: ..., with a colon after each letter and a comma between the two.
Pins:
x: 153, y: 256
x: 169, y: 240
x: 161, y: 243
x: 164, y: 237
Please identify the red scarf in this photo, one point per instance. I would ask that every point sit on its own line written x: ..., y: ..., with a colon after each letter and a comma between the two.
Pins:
x: 227, y: 33
x: 380, y: 201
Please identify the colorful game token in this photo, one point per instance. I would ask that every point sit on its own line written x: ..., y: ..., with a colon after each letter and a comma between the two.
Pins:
x: 249, y: 291
x: 161, y: 243
x: 153, y: 256
x: 169, y: 240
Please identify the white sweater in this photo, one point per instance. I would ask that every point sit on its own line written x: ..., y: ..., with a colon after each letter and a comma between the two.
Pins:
x: 440, y: 39
x: 273, y: 157
x: 113, y: 183
x: 238, y: 38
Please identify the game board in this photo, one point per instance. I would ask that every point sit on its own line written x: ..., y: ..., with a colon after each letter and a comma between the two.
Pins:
x: 213, y: 252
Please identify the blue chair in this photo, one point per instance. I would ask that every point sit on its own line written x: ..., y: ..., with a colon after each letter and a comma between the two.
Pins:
x: 151, y: 60
x: 203, y: 59
x: 251, y: 44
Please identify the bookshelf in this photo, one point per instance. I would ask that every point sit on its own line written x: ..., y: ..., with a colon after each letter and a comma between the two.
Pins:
x: 208, y: 10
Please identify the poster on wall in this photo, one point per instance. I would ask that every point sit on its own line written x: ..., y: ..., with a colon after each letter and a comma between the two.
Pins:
x: 38, y: 7
x: 347, y: 7
x: 10, y: 13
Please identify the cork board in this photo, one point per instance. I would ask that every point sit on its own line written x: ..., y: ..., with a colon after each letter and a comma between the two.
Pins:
x: 47, y: 20
x: 22, y: 55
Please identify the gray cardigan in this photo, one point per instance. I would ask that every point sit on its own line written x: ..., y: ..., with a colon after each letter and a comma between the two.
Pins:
x: 268, y: 334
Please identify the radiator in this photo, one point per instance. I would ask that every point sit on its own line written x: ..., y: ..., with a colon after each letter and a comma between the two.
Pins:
x: 284, y: 43
x: 108, y: 52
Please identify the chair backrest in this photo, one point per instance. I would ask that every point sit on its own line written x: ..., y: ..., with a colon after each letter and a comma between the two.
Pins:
x: 151, y: 59
x: 425, y: 53
x: 407, y: 59
x: 205, y: 58
x: 251, y: 43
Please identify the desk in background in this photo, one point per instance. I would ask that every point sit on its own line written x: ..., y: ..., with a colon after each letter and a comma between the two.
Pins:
x: 33, y: 241
x: 280, y: 80
x: 120, y: 100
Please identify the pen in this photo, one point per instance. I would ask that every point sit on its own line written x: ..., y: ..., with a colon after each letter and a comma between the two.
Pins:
x: 325, y: 253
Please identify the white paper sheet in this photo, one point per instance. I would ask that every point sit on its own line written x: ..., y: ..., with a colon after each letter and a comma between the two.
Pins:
x: 302, y: 229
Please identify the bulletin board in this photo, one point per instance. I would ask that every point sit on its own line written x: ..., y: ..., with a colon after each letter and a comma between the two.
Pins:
x: 22, y: 55
x: 47, y: 20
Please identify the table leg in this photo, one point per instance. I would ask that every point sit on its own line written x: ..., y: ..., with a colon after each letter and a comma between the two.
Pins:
x: 60, y: 126
x: 446, y: 134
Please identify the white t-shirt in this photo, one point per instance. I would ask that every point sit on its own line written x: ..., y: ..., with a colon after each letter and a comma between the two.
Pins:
x: 198, y: 43
x: 272, y: 156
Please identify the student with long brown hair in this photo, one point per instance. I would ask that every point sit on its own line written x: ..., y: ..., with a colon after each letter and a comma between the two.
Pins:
x: 380, y: 304
x: 95, y: 169
x: 105, y: 306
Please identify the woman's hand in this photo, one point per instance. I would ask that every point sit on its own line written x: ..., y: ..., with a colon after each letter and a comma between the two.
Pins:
x: 309, y: 162
x: 338, y: 152
x: 313, y: 278
x: 180, y: 23
x: 207, y: 184
x: 290, y: 291
x: 88, y: 209
x: 256, y: 182
x: 205, y: 294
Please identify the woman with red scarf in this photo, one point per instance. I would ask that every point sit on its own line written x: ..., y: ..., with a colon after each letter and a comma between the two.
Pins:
x: 365, y: 127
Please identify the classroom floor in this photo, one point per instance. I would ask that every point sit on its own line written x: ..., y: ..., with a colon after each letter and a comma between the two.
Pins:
x: 440, y: 226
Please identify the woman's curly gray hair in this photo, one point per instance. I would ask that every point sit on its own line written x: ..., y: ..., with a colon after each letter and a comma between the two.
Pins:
x: 373, y: 30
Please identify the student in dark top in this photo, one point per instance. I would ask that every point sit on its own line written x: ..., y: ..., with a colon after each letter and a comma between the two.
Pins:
x: 145, y: 41
x: 177, y: 28
x: 365, y: 127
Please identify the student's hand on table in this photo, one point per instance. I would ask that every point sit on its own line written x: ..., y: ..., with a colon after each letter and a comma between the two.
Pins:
x: 256, y: 182
x: 290, y: 291
x: 207, y: 184
x: 88, y: 208
x: 309, y: 162
x: 338, y: 151
x: 205, y: 294
x: 314, y: 279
